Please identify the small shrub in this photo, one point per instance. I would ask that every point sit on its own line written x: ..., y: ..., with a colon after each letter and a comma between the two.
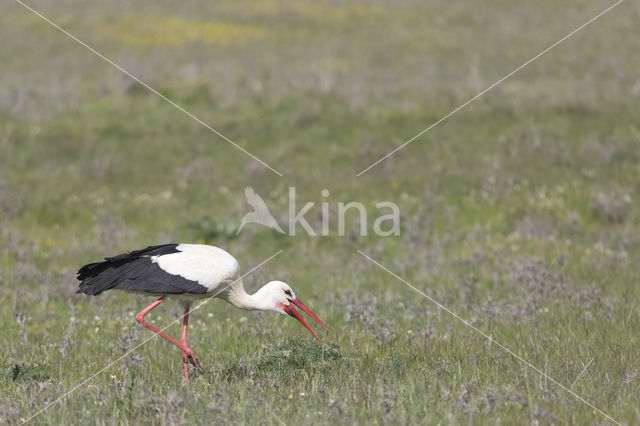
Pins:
x: 611, y: 207
x: 296, y: 354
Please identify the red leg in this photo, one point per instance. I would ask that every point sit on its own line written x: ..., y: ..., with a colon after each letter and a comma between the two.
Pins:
x: 183, y: 341
x: 190, y: 355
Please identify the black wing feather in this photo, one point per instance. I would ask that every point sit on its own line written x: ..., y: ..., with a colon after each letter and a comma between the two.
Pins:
x: 135, y: 271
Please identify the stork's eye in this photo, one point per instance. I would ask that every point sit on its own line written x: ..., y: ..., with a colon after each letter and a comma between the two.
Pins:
x: 287, y: 292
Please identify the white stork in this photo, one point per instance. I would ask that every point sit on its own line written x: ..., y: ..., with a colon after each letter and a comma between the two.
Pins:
x: 187, y: 272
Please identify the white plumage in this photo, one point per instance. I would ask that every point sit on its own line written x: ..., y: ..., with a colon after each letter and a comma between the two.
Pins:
x: 209, y: 266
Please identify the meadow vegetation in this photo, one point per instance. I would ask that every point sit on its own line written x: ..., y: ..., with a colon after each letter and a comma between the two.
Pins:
x: 519, y: 213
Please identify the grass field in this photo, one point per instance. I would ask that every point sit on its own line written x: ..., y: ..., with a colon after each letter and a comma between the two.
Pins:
x: 519, y: 213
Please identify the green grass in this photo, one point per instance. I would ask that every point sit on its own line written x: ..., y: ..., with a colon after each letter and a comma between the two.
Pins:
x: 519, y: 213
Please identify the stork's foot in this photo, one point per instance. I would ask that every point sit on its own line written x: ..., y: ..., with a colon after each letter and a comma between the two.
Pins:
x: 190, y: 357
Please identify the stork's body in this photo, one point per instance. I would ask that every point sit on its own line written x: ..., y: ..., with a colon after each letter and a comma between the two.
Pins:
x: 187, y: 272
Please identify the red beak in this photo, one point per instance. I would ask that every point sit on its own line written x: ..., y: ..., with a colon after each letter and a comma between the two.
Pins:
x: 289, y: 309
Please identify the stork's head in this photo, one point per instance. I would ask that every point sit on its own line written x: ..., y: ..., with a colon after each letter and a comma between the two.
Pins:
x: 283, y: 298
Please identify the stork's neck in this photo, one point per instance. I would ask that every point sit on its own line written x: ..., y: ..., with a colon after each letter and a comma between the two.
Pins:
x: 238, y: 297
